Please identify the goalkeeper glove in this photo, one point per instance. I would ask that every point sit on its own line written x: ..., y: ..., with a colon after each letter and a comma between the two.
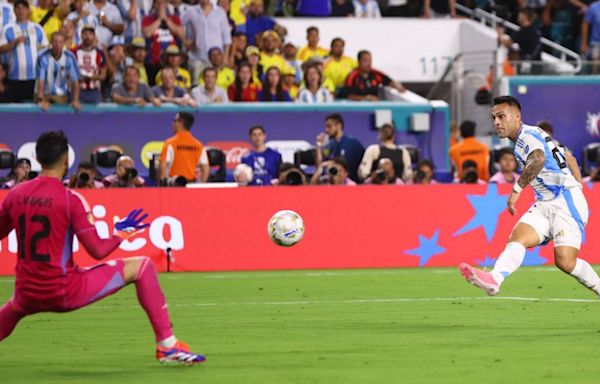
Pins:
x: 130, y: 225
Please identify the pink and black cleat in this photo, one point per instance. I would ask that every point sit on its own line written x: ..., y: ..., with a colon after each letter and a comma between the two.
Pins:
x: 481, y: 279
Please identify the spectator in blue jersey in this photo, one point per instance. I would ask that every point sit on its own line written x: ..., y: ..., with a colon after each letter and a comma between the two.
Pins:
x: 313, y: 8
x: 22, y: 40
x: 57, y: 75
x: 272, y: 87
x: 264, y: 161
x: 81, y: 17
x: 110, y: 22
x: 132, y: 12
x: 339, y: 145
x: 257, y: 22
x: 7, y: 15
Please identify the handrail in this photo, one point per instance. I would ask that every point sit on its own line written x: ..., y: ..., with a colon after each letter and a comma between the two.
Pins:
x: 486, y: 17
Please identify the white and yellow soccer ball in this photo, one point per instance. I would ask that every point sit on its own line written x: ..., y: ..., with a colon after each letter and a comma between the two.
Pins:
x: 286, y: 228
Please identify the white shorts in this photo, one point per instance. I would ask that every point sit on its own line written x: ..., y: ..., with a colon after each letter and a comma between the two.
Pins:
x: 562, y: 219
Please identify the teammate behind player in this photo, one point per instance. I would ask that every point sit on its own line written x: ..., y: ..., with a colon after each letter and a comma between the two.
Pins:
x: 46, y: 216
x: 560, y: 211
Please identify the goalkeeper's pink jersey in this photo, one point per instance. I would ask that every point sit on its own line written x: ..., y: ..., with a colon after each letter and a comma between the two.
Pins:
x: 45, y: 215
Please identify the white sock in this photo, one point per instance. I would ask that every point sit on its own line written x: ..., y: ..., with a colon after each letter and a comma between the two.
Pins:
x: 169, y: 342
x: 508, y: 261
x: 586, y: 275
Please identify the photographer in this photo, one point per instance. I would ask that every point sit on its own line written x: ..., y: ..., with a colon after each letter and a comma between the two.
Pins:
x: 86, y: 177
x: 384, y: 174
x: 424, y: 173
x: 332, y: 172
x: 125, y: 176
x: 469, y: 174
x: 289, y: 175
x: 20, y: 172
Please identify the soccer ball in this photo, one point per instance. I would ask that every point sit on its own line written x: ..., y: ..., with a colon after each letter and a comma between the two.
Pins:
x: 286, y: 228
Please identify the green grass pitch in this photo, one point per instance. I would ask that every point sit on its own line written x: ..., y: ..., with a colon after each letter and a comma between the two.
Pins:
x: 349, y: 326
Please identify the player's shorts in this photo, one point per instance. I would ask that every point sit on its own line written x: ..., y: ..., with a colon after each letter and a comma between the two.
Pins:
x: 83, y: 287
x: 562, y: 219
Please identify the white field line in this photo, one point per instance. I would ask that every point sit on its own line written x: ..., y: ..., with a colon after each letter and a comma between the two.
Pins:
x: 365, y: 301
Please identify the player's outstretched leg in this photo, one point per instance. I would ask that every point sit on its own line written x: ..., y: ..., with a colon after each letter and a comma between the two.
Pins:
x: 141, y: 270
x: 9, y: 317
x: 509, y: 261
x: 565, y: 258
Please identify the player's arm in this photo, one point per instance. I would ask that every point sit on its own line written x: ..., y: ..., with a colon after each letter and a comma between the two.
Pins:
x: 5, y: 221
x: 533, y: 166
x: 573, y: 166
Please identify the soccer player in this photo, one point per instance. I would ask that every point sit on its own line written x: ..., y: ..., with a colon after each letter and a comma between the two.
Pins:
x: 46, y: 216
x: 559, y: 213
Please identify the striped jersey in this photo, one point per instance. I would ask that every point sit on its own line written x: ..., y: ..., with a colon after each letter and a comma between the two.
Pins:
x: 556, y: 176
x: 84, y: 21
x: 322, y: 96
x: 57, y: 74
x: 369, y: 10
x: 90, y: 62
x: 7, y: 15
x: 22, y: 59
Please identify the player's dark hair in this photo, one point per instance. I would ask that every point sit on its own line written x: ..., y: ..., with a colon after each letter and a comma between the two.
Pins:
x: 362, y: 53
x: 467, y: 128
x: 336, y: 117
x: 259, y: 127
x: 341, y: 161
x: 50, y: 147
x: 513, y: 102
x: 187, y: 119
x: 312, y: 28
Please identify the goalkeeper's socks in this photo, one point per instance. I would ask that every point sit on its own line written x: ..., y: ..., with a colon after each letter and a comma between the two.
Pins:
x: 169, y: 342
x: 586, y: 275
x: 508, y: 261
x: 153, y: 300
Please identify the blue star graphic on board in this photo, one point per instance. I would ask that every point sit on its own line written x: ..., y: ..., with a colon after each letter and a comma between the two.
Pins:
x: 427, y: 248
x: 590, y: 185
x: 532, y: 257
x: 488, y: 208
x: 487, y: 262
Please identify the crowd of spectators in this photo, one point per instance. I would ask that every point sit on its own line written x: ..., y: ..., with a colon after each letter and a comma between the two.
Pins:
x: 337, y: 159
x: 79, y: 51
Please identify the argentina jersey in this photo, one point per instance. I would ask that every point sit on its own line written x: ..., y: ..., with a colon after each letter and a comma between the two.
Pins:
x: 84, y: 21
x: 22, y: 59
x: 57, y: 74
x: 556, y: 176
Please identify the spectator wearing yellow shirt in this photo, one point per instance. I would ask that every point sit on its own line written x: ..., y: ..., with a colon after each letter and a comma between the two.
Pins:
x: 269, y: 56
x: 312, y: 49
x: 225, y: 75
x: 50, y: 15
x: 289, y: 82
x: 337, y: 66
x: 253, y: 57
x: 237, y: 12
x: 173, y: 60
x: 137, y: 55
x: 68, y: 29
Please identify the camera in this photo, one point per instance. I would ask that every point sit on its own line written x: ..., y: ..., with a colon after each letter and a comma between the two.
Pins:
x: 470, y: 177
x: 293, y: 177
x: 175, y: 181
x: 420, y: 176
x: 130, y: 174
x: 333, y: 171
x: 380, y: 175
x: 82, y: 179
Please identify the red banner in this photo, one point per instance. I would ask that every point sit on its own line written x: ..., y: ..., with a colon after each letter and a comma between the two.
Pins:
x: 346, y: 227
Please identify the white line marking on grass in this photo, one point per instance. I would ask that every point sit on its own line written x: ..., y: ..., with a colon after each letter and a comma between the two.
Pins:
x: 365, y: 301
